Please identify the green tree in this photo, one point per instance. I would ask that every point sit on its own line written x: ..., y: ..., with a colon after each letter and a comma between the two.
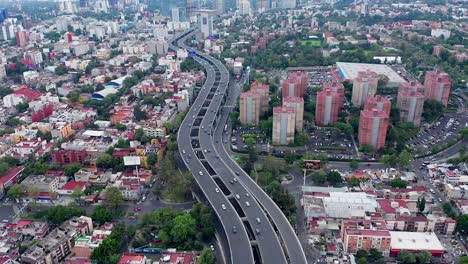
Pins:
x: 266, y: 125
x: 77, y: 193
x: 40, y: 168
x: 139, y: 114
x: 462, y: 221
x: 404, y: 159
x: 432, y: 110
x: 16, y: 192
x: 362, y: 260
x: 389, y: 160
x: 334, y: 177
x: 207, y: 257
x: 290, y: 157
x: 367, y: 148
x: 354, y: 165
x: 74, y: 96
x: 71, y: 169
x: 406, y: 257
x: 122, y: 143
x: 183, y: 228
x: 4, y: 168
x: 301, y: 138
x: 105, y: 161
x: 344, y: 128
x: 121, y: 127
x: 152, y: 159
x: 464, y: 133
x: 375, y: 255
x: 320, y: 177
x: 354, y: 182
x: 22, y: 107
x: 463, y: 260
x: 421, y: 204
x: 424, y: 257
x: 101, y: 214
x: 398, y: 183
x: 361, y: 254
x: 114, y: 198
x: 61, y: 70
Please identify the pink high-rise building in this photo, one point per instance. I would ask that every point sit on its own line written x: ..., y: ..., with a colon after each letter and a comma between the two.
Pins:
x: 335, y: 86
x: 295, y: 85
x: 264, y: 91
x: 437, y: 86
x: 410, y: 102
x: 412, y: 86
x: 21, y: 38
x: 373, y: 126
x: 249, y: 107
x: 378, y: 102
x: 364, y: 85
x: 327, y: 107
x: 298, y: 104
x: 283, y: 125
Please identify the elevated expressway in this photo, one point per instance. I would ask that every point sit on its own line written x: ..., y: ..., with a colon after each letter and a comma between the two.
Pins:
x: 255, y: 228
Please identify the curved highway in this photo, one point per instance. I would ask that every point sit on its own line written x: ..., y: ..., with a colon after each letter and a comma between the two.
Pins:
x: 254, y: 234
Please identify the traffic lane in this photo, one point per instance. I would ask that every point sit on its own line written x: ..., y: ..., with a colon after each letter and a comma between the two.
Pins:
x: 253, y: 212
x: 291, y: 241
x: 239, y: 253
x: 268, y: 242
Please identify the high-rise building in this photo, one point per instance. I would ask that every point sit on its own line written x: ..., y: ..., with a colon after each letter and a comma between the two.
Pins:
x: 288, y: 4
x: 249, y: 108
x: 244, y: 7
x: 298, y: 104
x: 264, y: 91
x: 364, y: 85
x: 295, y: 85
x: 327, y: 107
x: 219, y: 6
x: 410, y: 102
x: 21, y: 38
x: 67, y: 6
x: 34, y: 56
x: 373, y: 126
x: 205, y: 22
x: 337, y: 87
x: 437, y: 86
x: 175, y: 14
x: 283, y: 125
x: 378, y: 102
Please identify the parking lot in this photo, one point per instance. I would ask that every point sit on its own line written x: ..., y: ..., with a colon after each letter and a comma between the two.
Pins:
x: 329, y: 140
x: 238, y: 139
x: 446, y: 129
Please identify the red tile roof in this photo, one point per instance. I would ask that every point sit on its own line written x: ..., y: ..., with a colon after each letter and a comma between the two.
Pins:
x: 10, y: 175
x: 71, y: 185
x: 130, y: 258
x: 29, y: 93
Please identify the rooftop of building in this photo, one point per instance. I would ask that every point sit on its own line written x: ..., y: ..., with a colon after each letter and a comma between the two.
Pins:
x: 350, y: 71
x: 415, y: 241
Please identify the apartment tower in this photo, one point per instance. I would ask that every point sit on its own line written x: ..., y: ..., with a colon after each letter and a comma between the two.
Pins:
x: 298, y: 104
x: 437, y: 86
x: 364, y: 85
x: 250, y: 108
x: 283, y: 125
x: 373, y: 126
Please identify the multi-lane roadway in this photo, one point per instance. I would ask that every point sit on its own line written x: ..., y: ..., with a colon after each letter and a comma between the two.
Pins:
x: 255, y: 228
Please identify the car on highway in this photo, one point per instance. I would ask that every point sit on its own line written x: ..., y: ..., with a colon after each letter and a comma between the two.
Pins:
x: 217, y: 190
x: 257, y: 231
x: 237, y: 196
x: 257, y: 220
x: 212, y: 247
x: 201, y: 173
x: 247, y: 203
x: 223, y: 206
x: 234, y: 229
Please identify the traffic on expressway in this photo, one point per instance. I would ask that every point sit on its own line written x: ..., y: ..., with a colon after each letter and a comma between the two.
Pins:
x: 256, y: 229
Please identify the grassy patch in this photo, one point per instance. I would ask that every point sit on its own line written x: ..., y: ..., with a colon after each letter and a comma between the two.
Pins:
x: 311, y: 43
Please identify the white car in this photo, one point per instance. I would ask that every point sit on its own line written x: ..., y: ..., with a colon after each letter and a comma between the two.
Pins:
x: 247, y: 203
x: 217, y: 190
x: 201, y: 173
x: 223, y: 206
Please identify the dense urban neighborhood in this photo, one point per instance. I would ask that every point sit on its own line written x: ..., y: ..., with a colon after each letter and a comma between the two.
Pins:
x: 233, y: 131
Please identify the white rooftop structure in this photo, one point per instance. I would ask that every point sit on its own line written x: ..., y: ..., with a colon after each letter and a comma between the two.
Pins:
x: 348, y: 205
x: 94, y: 133
x: 415, y: 241
x: 349, y: 71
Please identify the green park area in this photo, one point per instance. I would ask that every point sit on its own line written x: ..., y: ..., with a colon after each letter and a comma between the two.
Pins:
x: 311, y: 43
